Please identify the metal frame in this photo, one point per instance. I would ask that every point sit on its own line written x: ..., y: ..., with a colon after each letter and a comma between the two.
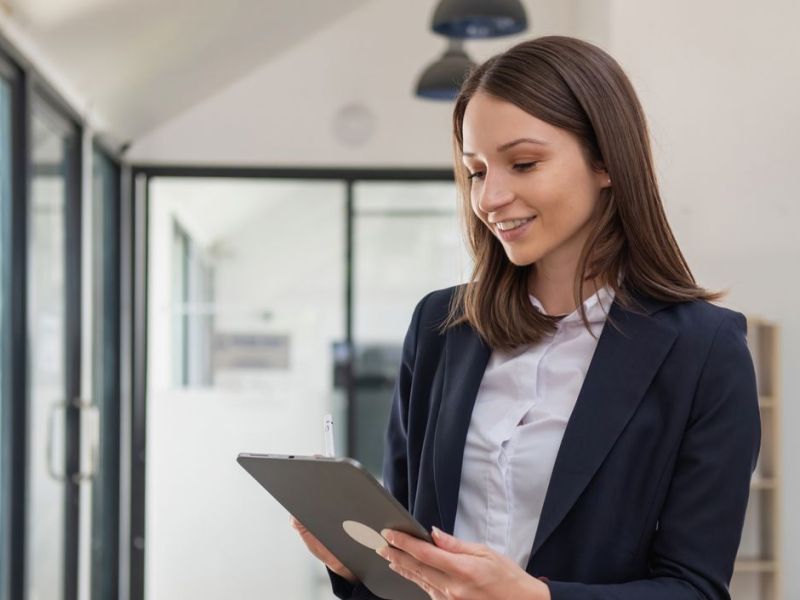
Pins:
x: 138, y: 215
x: 344, y: 174
x: 73, y: 279
x: 126, y: 324
x: 136, y: 359
x: 15, y: 350
x: 349, y: 277
x: 106, y: 493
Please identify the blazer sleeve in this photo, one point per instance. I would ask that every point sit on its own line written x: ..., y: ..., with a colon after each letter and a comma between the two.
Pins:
x: 395, y: 459
x: 701, y: 521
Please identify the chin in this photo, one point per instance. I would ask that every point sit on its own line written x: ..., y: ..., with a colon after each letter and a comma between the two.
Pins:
x: 522, y: 259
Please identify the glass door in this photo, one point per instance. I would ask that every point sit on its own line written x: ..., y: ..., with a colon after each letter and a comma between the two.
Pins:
x: 53, y: 305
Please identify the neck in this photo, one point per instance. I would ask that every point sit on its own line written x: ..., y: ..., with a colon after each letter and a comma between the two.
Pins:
x: 555, y: 290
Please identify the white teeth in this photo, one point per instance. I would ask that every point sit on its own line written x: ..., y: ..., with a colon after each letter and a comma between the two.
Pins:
x: 508, y: 225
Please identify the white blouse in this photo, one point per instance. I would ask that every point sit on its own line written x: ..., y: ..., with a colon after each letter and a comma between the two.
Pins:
x: 521, y: 411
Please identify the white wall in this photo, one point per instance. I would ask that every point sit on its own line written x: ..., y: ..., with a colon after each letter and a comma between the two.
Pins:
x: 283, y: 113
x: 719, y: 83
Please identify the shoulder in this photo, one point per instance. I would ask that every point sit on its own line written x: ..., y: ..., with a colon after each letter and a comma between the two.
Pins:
x: 430, y: 314
x: 711, y: 340
x: 701, y: 319
x: 437, y: 302
x: 704, y: 335
x: 709, y: 362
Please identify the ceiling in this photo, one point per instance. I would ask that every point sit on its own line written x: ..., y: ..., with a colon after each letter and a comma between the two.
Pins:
x: 140, y: 62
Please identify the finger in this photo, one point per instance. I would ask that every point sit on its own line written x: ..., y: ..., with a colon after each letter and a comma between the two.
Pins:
x: 301, y: 529
x: 296, y: 524
x: 452, y: 544
x: 436, y: 579
x: 319, y: 550
x: 310, y: 540
x: 307, y: 536
x: 425, y: 552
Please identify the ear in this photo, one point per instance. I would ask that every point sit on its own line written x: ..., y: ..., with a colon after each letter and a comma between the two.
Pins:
x: 602, y: 178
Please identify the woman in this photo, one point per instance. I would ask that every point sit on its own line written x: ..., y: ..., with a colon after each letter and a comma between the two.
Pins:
x: 579, y: 419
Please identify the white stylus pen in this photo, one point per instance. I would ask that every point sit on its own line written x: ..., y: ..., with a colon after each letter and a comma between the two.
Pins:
x: 330, y: 449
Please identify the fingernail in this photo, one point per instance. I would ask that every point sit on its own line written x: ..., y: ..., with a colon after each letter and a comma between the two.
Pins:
x: 387, y: 535
x: 436, y: 531
x: 382, y: 552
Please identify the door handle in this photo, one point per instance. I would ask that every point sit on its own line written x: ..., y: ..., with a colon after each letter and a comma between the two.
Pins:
x: 90, y: 430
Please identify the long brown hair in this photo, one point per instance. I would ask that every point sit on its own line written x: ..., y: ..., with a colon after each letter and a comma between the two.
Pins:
x: 574, y: 85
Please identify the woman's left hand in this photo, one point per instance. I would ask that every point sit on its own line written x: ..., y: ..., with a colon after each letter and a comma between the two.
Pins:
x: 452, y: 569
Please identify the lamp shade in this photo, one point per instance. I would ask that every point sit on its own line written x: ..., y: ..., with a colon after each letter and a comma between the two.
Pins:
x: 479, y: 18
x: 441, y: 80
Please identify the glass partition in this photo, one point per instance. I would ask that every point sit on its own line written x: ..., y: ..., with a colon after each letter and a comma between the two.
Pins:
x: 246, y: 302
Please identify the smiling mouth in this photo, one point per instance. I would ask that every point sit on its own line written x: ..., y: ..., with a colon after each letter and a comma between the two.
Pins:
x: 506, y: 226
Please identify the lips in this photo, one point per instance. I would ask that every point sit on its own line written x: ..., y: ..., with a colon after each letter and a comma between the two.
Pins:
x: 509, y: 235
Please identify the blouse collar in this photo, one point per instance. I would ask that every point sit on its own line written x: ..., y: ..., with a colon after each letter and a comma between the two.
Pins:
x: 596, y: 306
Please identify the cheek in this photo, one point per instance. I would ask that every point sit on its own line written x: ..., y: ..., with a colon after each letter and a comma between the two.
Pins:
x: 568, y: 208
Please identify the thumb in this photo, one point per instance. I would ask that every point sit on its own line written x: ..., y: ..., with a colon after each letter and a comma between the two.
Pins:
x: 445, y: 541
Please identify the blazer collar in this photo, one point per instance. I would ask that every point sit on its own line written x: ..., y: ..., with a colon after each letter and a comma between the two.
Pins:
x: 623, y: 365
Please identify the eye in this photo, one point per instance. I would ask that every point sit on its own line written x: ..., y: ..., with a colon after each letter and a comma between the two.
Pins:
x: 478, y: 174
x: 525, y: 166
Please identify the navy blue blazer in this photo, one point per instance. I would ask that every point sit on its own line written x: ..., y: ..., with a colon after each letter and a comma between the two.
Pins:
x: 648, y: 493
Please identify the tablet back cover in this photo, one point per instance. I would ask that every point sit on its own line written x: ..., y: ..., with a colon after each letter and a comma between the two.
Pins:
x: 345, y: 508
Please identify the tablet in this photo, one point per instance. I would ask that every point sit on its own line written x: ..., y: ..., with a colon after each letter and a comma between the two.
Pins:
x: 345, y: 507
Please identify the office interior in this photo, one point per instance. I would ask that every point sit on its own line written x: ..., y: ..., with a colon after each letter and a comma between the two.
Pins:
x: 217, y: 218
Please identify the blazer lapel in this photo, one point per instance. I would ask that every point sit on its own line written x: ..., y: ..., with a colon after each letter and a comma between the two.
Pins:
x: 465, y: 360
x: 621, y: 369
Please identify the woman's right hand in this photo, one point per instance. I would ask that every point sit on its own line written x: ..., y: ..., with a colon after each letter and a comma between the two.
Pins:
x: 321, y: 552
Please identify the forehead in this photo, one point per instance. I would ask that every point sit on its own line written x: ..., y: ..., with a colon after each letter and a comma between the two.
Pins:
x: 490, y: 122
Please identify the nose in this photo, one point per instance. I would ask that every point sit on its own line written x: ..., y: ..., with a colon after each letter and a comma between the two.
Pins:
x: 495, y: 193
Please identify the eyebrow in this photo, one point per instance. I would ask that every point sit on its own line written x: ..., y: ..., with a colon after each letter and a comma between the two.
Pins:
x: 511, y: 144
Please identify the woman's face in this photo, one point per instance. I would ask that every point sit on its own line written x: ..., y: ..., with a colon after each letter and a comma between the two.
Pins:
x: 531, y: 184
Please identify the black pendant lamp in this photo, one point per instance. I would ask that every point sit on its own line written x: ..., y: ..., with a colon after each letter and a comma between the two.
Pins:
x: 441, y: 80
x: 479, y: 18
